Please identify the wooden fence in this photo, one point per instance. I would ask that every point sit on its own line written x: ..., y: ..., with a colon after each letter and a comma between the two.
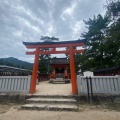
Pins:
x: 100, y: 84
x: 15, y: 84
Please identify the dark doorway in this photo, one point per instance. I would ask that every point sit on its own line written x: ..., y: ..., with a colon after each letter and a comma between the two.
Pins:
x: 59, y: 70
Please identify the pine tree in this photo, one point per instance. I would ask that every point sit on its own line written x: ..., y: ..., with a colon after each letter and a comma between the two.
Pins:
x: 45, y: 59
x: 95, y: 41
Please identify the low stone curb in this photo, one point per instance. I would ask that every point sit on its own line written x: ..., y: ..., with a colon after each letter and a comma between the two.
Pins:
x: 21, y: 98
x: 99, y: 98
x: 12, y: 98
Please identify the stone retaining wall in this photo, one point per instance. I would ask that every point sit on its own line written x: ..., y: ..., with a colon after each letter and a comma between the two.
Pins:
x: 20, y: 98
x: 12, y: 98
x: 99, y: 99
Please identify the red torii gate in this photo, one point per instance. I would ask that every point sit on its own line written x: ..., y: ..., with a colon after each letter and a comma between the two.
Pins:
x: 53, y: 45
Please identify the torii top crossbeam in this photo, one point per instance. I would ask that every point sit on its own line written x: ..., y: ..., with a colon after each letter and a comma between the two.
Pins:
x: 54, y: 45
x: 38, y: 46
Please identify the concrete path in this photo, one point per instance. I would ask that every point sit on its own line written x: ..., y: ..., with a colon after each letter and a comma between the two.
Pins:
x: 46, y: 88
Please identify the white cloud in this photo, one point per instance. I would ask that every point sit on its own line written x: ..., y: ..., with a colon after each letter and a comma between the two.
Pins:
x: 70, y: 9
x: 23, y: 20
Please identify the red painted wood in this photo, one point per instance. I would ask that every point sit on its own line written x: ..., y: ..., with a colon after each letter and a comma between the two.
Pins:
x: 72, y: 70
x: 54, y: 45
x: 55, y: 52
x: 34, y: 73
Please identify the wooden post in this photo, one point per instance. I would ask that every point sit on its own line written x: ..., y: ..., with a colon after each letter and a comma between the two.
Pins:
x: 72, y: 70
x: 34, y: 72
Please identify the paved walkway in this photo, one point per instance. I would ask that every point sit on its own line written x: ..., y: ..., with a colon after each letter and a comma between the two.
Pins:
x: 46, y: 88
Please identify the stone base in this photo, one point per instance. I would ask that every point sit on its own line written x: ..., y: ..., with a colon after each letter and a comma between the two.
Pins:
x: 59, y: 80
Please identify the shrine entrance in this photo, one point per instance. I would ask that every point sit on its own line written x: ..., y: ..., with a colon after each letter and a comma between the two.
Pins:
x: 59, y: 70
x: 70, y: 49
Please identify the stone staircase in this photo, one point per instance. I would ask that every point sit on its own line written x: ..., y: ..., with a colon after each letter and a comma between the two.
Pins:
x: 58, y: 81
x: 51, y: 103
x: 59, y: 75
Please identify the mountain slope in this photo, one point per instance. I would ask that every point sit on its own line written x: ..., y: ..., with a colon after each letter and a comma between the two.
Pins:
x: 14, y: 62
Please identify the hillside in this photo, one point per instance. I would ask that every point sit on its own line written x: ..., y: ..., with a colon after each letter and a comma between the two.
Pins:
x: 14, y: 62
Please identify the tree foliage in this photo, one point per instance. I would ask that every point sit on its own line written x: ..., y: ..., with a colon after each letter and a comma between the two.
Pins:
x: 113, y: 8
x: 45, y: 59
x: 113, y: 33
x: 102, y: 46
x: 48, y: 39
x: 95, y: 41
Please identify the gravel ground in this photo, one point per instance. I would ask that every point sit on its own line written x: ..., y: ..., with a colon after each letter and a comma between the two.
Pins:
x: 46, y: 88
x: 12, y: 112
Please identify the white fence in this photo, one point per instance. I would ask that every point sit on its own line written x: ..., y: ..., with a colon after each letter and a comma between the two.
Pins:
x: 15, y: 84
x: 100, y: 84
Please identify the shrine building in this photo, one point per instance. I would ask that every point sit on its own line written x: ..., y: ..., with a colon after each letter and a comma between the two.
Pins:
x: 60, y: 68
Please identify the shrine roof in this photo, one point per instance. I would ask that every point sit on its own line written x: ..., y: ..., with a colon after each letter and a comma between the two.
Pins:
x: 59, y: 61
x: 4, y: 68
x: 49, y: 43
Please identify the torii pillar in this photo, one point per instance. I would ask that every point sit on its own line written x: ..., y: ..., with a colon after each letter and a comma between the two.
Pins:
x: 72, y: 70
x: 35, y: 70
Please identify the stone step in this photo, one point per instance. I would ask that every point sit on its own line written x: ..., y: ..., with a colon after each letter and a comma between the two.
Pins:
x: 51, y: 103
x: 50, y: 107
x: 50, y: 96
x: 51, y: 100
x: 59, y: 82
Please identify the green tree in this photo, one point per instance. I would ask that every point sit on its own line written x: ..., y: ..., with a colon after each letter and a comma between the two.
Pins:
x: 49, y: 39
x: 102, y: 47
x: 113, y: 9
x: 113, y: 33
x: 95, y: 42
x: 45, y: 59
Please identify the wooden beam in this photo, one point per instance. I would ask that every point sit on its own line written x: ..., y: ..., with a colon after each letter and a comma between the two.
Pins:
x: 54, y: 45
x: 55, y: 52
x: 78, y: 51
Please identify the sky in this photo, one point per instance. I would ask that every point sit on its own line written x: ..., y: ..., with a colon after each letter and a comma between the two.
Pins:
x: 28, y: 20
